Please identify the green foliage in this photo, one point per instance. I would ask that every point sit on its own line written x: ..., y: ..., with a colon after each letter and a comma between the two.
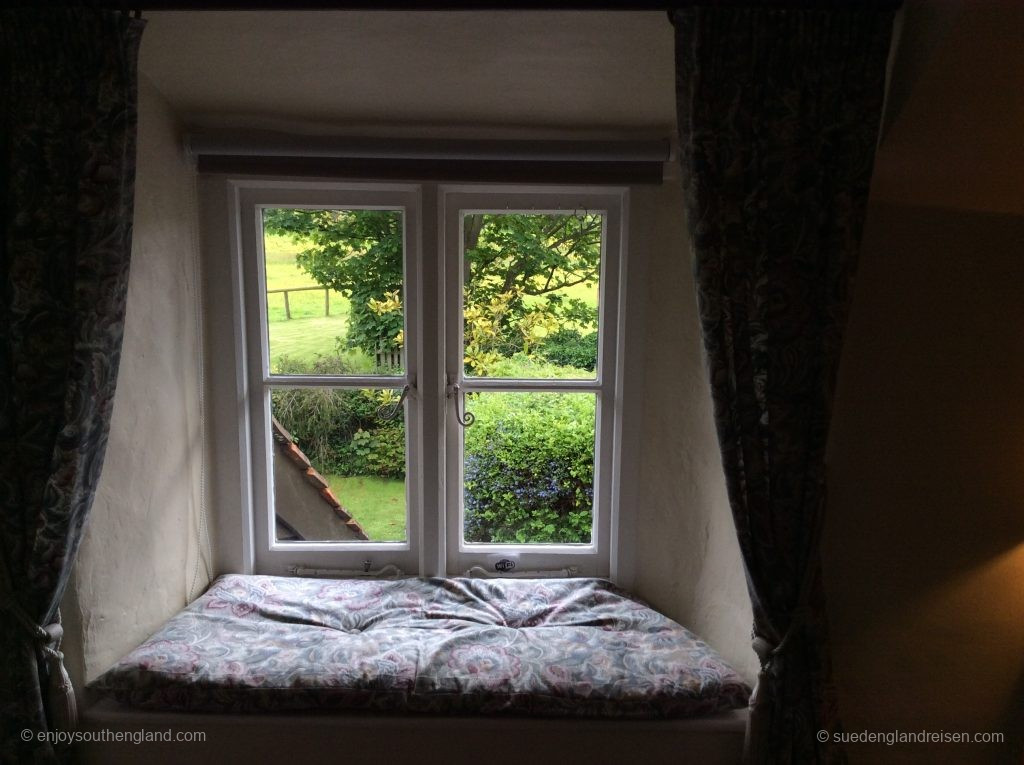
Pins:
x: 520, y: 273
x: 357, y: 253
x: 532, y: 367
x: 339, y: 429
x: 529, y: 459
x: 380, y: 451
x: 529, y: 467
x: 571, y: 348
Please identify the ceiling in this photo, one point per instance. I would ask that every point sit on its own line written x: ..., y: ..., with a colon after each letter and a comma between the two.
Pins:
x: 458, y: 72
x: 951, y: 137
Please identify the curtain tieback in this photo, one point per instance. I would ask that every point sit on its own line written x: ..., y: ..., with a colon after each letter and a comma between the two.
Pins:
x: 63, y: 708
x: 762, y: 700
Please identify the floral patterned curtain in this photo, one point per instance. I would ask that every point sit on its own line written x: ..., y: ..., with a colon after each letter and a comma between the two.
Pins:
x: 778, y: 111
x: 67, y: 173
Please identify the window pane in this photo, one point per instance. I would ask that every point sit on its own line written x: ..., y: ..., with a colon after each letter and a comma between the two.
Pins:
x: 530, y: 294
x: 528, y: 468
x: 339, y: 465
x: 335, y: 291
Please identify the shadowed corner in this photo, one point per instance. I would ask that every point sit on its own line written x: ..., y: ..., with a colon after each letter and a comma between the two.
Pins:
x: 1012, y: 721
x: 1013, y: 724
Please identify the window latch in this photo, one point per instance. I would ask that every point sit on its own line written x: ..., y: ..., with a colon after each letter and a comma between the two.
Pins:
x: 465, y: 419
x: 386, y: 412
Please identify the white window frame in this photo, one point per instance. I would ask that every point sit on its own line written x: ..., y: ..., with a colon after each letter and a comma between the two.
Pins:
x: 432, y: 546
x: 593, y: 559
x: 271, y: 556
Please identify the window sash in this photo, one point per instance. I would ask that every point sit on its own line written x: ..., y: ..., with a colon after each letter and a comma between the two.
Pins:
x: 433, y: 517
x: 589, y: 559
x: 271, y: 556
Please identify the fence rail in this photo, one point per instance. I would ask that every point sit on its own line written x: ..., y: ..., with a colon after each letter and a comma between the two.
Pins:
x: 287, y: 305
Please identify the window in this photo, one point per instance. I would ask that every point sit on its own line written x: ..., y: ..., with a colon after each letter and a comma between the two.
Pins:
x: 435, y: 396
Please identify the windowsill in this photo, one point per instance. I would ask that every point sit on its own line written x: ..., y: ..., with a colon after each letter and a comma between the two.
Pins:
x: 259, y: 738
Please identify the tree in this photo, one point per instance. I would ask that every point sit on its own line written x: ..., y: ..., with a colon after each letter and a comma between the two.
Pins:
x: 515, y: 268
x: 357, y: 253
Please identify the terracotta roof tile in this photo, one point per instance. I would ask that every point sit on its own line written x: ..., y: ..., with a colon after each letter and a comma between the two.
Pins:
x: 287, y: 446
x: 357, y: 529
x: 316, y: 479
x: 295, y: 454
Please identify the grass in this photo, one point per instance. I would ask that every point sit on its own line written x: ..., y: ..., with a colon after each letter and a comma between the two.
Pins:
x: 378, y: 504
x: 309, y: 333
x: 305, y: 339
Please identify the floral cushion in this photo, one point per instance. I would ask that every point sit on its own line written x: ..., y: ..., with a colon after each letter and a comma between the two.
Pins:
x: 545, y: 647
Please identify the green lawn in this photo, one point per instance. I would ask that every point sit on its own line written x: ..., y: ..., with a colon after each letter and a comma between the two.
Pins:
x: 378, y: 504
x: 305, y: 339
x: 309, y: 333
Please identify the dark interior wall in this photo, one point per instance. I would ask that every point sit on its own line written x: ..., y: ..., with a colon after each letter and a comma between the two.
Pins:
x: 925, y: 536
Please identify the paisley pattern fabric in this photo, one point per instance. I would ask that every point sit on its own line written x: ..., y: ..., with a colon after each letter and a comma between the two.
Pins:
x: 67, y: 168
x: 778, y: 114
x: 546, y: 647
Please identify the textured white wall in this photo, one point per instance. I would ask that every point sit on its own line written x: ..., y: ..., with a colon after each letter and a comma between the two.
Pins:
x: 138, y: 554
x: 687, y: 558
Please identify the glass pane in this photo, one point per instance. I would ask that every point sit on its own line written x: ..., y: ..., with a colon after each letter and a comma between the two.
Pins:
x: 528, y: 468
x: 334, y: 291
x: 339, y: 465
x: 530, y: 294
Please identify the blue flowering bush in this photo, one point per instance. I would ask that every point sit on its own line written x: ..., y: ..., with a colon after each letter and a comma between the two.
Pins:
x: 529, y: 467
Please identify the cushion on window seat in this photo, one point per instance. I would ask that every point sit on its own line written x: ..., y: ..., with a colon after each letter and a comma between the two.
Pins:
x: 543, y: 647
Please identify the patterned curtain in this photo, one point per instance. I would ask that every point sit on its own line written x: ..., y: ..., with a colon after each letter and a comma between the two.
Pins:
x: 67, y: 175
x: 778, y: 113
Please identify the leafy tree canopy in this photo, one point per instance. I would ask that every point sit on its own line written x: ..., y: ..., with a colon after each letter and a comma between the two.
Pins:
x: 516, y: 266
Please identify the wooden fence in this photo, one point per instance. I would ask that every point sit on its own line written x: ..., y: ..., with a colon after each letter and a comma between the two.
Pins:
x: 388, y: 356
x: 287, y: 305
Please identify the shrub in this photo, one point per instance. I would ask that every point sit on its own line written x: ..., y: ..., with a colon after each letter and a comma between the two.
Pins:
x: 339, y: 429
x: 529, y: 468
x: 532, y: 367
x: 569, y: 347
x: 380, y: 451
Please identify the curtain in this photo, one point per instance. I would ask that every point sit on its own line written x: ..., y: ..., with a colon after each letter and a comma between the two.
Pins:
x: 67, y: 168
x: 778, y: 114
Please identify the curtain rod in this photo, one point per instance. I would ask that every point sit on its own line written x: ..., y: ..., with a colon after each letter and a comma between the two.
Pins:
x: 268, y: 144
x: 489, y: 5
x: 400, y: 5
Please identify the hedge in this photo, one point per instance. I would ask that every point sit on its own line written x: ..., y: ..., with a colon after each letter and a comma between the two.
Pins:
x: 529, y: 467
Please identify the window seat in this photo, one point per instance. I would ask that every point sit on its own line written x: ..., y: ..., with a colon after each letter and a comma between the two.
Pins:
x: 534, y: 647
x: 290, y: 670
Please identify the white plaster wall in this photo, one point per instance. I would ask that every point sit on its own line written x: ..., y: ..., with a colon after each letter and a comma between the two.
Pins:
x: 687, y: 559
x: 137, y: 559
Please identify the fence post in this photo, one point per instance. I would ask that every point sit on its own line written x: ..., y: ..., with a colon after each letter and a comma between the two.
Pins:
x: 327, y: 302
x: 287, y: 308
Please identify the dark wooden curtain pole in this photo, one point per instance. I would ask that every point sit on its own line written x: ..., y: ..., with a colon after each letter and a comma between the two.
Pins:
x: 459, y: 5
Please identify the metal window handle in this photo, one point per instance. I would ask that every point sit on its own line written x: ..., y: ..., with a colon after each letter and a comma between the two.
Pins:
x: 386, y: 412
x: 466, y: 419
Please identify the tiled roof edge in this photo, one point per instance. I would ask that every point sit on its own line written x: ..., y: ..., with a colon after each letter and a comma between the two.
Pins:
x: 296, y: 457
